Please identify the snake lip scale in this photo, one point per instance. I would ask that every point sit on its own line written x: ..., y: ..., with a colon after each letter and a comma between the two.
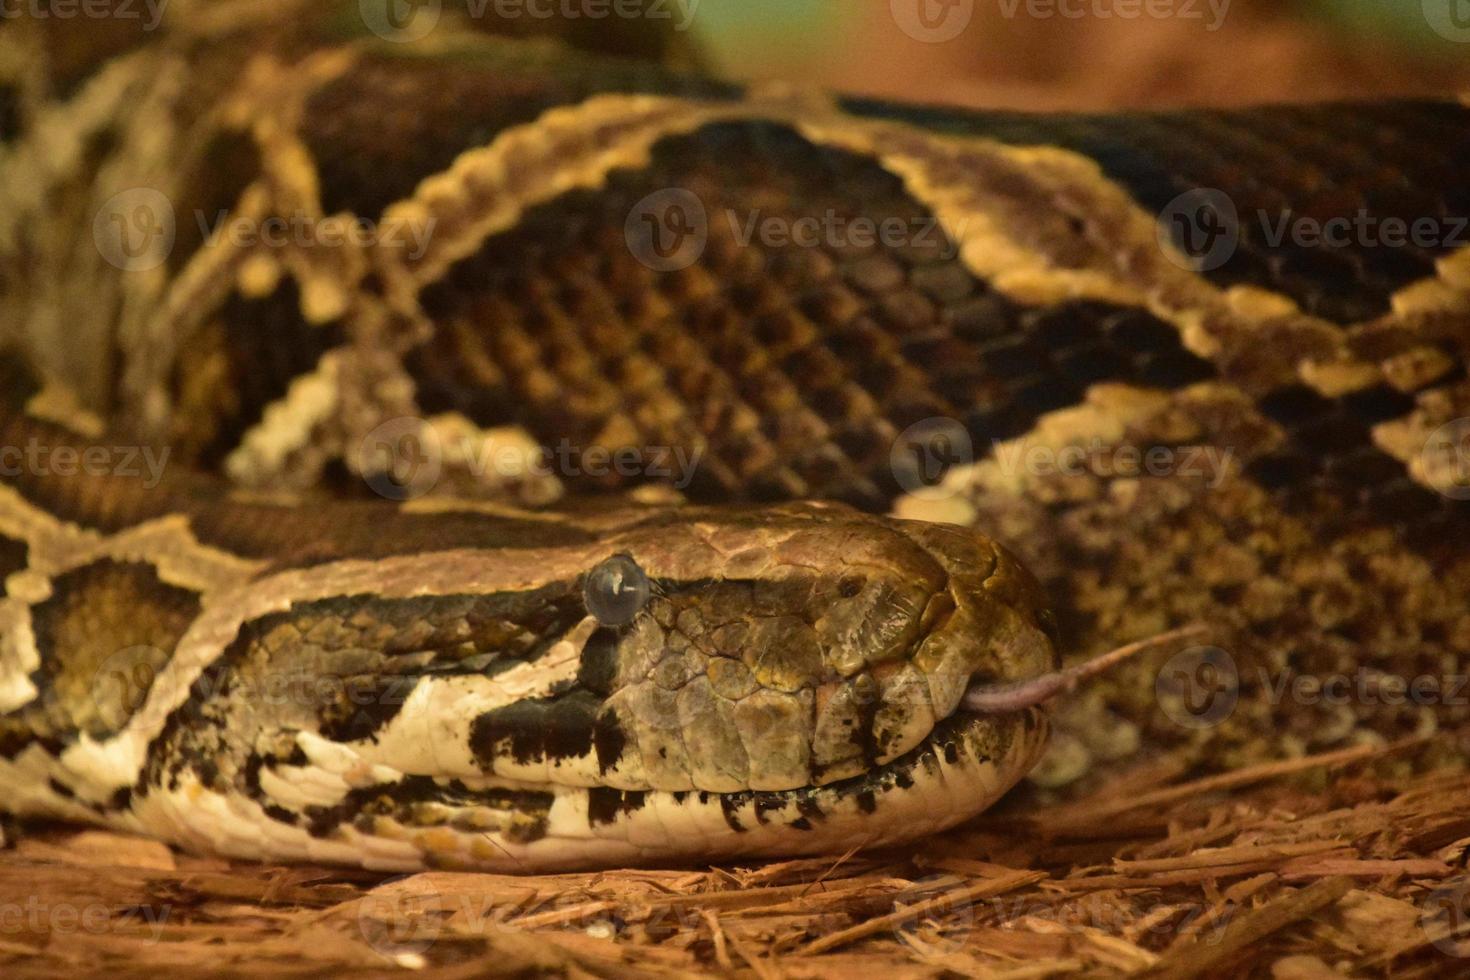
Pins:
x: 245, y: 652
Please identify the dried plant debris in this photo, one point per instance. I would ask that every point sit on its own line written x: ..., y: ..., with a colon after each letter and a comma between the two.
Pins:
x: 1334, y: 865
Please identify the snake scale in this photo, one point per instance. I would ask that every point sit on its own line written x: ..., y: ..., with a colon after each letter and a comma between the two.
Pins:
x: 798, y: 362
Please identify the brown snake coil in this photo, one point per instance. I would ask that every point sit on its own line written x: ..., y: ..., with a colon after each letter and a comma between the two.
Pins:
x: 252, y: 275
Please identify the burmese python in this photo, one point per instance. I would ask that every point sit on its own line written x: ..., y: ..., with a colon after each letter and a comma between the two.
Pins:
x: 1023, y: 324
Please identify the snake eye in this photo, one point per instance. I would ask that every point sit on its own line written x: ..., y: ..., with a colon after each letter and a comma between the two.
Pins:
x: 616, y: 590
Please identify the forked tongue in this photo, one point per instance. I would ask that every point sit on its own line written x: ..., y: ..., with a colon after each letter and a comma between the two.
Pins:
x: 994, y: 699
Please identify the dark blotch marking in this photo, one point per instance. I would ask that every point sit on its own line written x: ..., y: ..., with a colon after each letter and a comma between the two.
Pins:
x: 1330, y: 448
x: 810, y: 809
x: 767, y: 804
x: 871, y: 340
x: 605, y: 805
x: 13, y: 558
x: 599, y: 665
x: 1292, y: 161
x: 608, y: 740
x: 368, y: 704
x: 360, y: 806
x: 730, y: 807
x: 536, y: 729
x: 436, y: 108
x: 93, y: 614
x: 281, y: 814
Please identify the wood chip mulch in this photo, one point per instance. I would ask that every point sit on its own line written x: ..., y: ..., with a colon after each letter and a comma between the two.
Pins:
x: 1312, y: 868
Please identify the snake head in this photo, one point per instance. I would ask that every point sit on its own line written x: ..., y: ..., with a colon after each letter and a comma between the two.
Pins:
x: 763, y: 681
x: 658, y: 686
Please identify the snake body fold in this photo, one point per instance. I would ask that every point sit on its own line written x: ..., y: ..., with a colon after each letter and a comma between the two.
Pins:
x: 800, y: 297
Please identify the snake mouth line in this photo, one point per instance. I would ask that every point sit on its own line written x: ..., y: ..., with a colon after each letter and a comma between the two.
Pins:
x: 967, y: 762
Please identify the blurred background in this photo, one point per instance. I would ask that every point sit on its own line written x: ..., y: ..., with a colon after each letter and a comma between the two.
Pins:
x: 1053, y: 54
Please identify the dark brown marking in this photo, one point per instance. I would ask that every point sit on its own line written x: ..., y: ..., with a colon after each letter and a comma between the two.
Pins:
x: 534, y: 729
x: 397, y: 799
x: 104, y: 634
x: 791, y: 368
x: 1276, y: 162
x: 13, y: 557
x: 243, y: 361
x: 393, y: 120
x: 608, y: 740
x: 366, y: 706
x: 605, y: 805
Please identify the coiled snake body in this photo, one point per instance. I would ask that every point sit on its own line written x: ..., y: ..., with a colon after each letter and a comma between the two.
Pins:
x: 273, y: 256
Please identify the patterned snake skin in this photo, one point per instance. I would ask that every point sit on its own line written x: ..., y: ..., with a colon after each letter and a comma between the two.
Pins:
x: 1111, y: 343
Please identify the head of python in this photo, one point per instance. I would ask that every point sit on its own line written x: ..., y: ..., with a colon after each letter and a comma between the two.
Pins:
x: 679, y: 685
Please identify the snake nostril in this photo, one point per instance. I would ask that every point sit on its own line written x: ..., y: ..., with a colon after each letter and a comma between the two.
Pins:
x: 1047, y: 621
x: 851, y: 585
x: 940, y: 608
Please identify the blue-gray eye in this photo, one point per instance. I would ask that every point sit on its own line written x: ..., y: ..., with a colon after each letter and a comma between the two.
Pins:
x: 616, y: 590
